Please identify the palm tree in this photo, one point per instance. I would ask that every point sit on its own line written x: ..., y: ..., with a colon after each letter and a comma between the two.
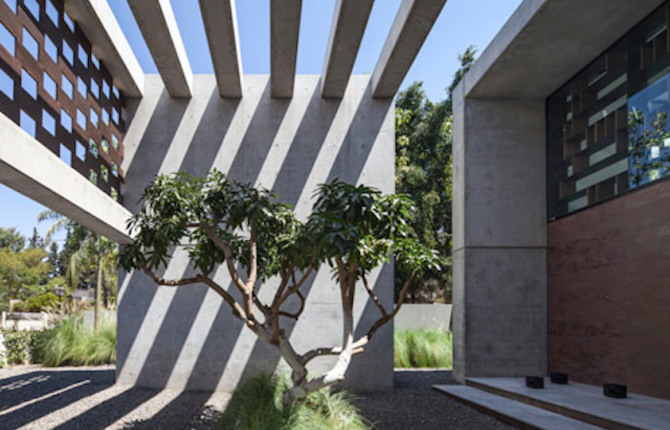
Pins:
x: 92, y: 253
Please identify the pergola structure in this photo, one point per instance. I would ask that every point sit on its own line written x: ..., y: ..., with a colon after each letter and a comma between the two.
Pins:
x: 284, y: 131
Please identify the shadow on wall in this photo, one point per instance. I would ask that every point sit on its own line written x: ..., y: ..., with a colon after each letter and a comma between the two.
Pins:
x: 187, y: 337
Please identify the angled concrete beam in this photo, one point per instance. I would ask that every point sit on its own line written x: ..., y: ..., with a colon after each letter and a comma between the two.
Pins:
x: 109, y: 44
x: 221, y: 26
x: 410, y: 28
x: 346, y: 33
x: 159, y: 28
x: 30, y: 168
x: 284, y: 29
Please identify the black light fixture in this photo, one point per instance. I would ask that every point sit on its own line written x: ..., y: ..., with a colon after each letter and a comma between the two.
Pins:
x: 615, y: 391
x: 558, y: 378
x: 534, y: 382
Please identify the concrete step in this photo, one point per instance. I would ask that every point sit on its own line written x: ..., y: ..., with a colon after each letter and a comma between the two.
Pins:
x: 510, y: 411
x: 584, y: 403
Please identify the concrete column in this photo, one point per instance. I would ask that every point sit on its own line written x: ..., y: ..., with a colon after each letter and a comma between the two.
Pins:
x: 499, y: 249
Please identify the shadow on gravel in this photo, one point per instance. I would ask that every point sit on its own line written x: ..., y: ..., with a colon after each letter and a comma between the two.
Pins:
x: 186, y: 411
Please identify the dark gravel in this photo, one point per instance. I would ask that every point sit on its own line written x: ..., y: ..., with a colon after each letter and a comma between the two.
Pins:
x: 414, y: 405
x: 87, y: 398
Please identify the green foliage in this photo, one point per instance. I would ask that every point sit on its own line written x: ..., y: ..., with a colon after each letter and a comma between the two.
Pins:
x: 257, y: 405
x: 21, y: 273
x: 38, y: 303
x: 422, y: 348
x: 354, y: 224
x: 11, y: 238
x: 642, y: 138
x: 21, y: 346
x: 69, y: 343
x: 423, y: 172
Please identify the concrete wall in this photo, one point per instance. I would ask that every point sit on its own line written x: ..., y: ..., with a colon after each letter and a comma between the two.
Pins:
x: 608, y: 292
x: 187, y: 337
x: 423, y: 316
x: 499, y: 251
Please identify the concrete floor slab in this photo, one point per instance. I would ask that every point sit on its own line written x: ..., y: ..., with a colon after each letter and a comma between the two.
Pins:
x: 585, y: 402
x: 511, y: 411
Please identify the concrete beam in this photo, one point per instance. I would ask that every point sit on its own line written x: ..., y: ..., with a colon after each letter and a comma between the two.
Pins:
x: 221, y: 26
x: 284, y: 29
x: 546, y: 42
x: 349, y: 22
x: 109, y: 44
x: 159, y: 28
x: 410, y: 28
x: 30, y: 168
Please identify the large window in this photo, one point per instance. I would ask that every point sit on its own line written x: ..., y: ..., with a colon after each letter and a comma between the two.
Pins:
x: 608, y: 128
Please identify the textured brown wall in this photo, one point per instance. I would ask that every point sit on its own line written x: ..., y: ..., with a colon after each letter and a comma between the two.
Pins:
x: 609, y: 292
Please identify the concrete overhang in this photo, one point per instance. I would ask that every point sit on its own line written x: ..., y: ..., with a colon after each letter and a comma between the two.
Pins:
x: 284, y: 30
x: 546, y: 42
x: 30, y: 168
x: 109, y: 44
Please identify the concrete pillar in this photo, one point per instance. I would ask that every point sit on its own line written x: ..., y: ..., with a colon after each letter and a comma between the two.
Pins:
x: 499, y: 250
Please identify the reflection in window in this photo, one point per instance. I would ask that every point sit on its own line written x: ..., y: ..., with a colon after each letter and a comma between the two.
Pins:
x: 93, y: 148
x: 115, y: 116
x: 649, y: 133
x: 51, y: 49
x: 93, y: 117
x: 33, y: 7
x: 105, y: 145
x: 49, y: 85
x: 27, y: 123
x: 115, y: 170
x: 83, y: 56
x: 11, y: 4
x: 52, y: 12
x: 68, y: 54
x: 7, y: 40
x: 115, y: 91
x: 81, y: 151
x: 30, y: 43
x: 105, y: 116
x: 68, y: 21
x: 28, y: 83
x: 67, y: 86
x: 81, y: 119
x: 6, y: 84
x: 65, y: 155
x: 81, y: 87
x: 105, y: 88
x: 65, y: 120
x: 93, y: 177
x: 95, y: 61
x: 104, y: 173
x: 115, y: 142
x: 95, y: 89
x: 114, y: 194
x: 48, y: 122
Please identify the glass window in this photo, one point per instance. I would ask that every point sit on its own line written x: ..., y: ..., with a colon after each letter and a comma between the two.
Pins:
x: 27, y: 123
x: 52, y: 12
x: 30, y: 43
x: 65, y: 155
x: 33, y: 7
x: 49, y: 85
x: 105, y: 88
x: 116, y: 92
x: 105, y: 145
x: 51, y: 49
x: 67, y: 86
x: 68, y: 21
x: 7, y: 39
x: 105, y: 116
x: 93, y: 148
x: 93, y: 117
x: 115, y: 170
x: 6, y: 84
x: 68, y: 54
x: 48, y: 122
x: 81, y: 119
x: 83, y: 56
x: 114, y: 194
x: 11, y: 4
x: 115, y: 116
x: 28, y: 83
x: 95, y: 89
x: 93, y: 177
x: 104, y: 173
x: 95, y: 61
x: 115, y: 142
x: 81, y: 87
x: 66, y: 120
x: 80, y: 151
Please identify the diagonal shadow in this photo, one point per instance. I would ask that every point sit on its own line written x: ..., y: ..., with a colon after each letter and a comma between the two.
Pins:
x: 186, y: 411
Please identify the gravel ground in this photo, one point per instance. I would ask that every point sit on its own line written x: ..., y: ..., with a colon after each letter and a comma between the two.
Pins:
x: 33, y: 397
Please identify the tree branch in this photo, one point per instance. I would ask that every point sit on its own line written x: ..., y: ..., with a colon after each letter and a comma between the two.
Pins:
x: 170, y: 282
x: 223, y: 246
x: 373, y: 296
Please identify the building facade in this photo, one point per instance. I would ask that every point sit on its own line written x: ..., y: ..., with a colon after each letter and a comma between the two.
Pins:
x: 562, y: 157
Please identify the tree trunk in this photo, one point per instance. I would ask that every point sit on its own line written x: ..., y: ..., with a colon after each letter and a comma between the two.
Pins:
x: 98, y: 295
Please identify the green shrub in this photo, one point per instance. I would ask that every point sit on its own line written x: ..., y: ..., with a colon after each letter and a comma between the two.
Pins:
x: 422, y: 348
x: 69, y: 343
x: 20, y: 346
x: 39, y: 303
x: 257, y: 405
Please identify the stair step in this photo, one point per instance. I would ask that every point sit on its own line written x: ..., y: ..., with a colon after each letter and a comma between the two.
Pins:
x: 512, y: 412
x: 584, y: 402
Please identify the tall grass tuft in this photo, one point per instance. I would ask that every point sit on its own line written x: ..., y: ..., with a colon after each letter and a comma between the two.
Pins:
x: 422, y: 348
x: 69, y: 343
x: 257, y: 405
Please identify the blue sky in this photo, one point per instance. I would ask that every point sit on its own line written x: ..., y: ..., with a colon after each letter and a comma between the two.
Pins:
x: 461, y: 23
